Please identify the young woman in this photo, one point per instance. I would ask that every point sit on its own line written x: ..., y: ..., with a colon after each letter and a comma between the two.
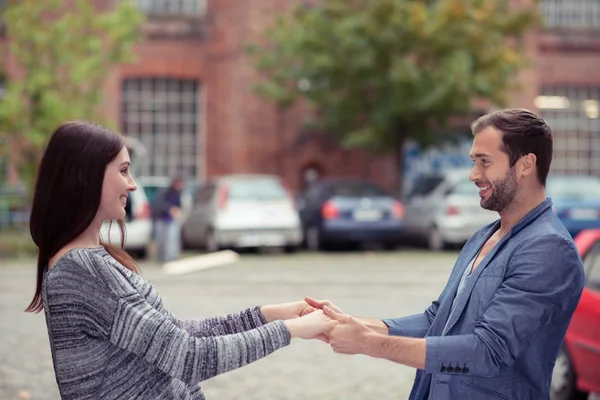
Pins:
x: 110, y: 336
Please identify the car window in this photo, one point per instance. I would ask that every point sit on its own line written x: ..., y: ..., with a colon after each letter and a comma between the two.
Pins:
x: 355, y: 189
x: 255, y: 189
x: 425, y: 185
x: 571, y: 188
x: 592, y: 267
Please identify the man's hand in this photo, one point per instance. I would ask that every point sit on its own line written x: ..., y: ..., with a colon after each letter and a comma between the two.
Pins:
x: 349, y: 336
x: 286, y: 311
x: 319, y: 304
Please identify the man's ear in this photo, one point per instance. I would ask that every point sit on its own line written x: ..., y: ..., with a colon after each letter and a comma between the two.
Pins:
x: 528, y: 164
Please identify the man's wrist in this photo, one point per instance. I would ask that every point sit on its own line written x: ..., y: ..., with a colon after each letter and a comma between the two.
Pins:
x: 376, y: 325
x: 373, y: 342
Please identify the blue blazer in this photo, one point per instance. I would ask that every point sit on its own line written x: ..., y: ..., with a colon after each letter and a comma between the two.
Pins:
x: 503, y: 337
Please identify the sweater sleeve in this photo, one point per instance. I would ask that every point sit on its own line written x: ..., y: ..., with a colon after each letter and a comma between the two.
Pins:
x: 130, y: 323
x: 238, y: 322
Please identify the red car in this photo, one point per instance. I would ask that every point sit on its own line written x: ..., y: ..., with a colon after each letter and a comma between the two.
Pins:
x: 577, y: 369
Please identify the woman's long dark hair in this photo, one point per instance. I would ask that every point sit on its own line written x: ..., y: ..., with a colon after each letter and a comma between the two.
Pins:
x: 68, y: 192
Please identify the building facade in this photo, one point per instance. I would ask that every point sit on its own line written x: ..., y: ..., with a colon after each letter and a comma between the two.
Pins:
x: 188, y: 98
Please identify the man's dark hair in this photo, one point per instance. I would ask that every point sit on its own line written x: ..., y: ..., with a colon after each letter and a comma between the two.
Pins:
x: 523, y: 132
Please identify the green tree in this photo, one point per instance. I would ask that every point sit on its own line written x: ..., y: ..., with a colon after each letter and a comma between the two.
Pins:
x: 381, y: 72
x: 63, y: 51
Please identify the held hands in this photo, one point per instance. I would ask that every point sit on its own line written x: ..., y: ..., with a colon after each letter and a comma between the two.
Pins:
x: 302, y: 319
x: 349, y: 336
x: 323, y: 320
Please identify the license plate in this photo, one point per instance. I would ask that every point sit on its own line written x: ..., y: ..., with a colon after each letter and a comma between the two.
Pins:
x: 584, y: 214
x: 261, y: 240
x: 367, y: 215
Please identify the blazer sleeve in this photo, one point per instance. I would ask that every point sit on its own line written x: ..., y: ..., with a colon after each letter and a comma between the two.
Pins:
x: 542, y: 287
x: 415, y: 325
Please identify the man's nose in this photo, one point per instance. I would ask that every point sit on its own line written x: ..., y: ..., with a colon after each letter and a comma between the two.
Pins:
x: 474, y: 173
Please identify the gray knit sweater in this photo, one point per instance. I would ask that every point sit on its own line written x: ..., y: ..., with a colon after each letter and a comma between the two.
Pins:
x: 111, y: 338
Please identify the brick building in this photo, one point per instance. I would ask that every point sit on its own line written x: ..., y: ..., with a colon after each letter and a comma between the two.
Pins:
x: 188, y: 97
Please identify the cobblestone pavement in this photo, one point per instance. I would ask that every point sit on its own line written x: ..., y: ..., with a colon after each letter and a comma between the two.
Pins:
x: 365, y: 284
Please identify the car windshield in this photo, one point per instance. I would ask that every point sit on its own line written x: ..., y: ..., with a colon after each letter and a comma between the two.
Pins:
x: 580, y: 188
x: 255, y: 189
x: 356, y: 189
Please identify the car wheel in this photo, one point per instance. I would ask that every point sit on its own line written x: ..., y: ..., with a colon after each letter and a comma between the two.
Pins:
x: 211, y: 242
x: 435, y: 240
x: 563, y: 379
x: 291, y: 249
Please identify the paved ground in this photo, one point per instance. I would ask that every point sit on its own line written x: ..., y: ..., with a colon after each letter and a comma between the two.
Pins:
x: 365, y: 284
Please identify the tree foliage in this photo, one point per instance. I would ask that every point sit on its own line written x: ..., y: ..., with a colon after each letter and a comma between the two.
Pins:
x: 380, y: 72
x: 62, y: 51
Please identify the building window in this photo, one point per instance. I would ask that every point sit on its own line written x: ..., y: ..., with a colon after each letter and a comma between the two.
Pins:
x: 573, y: 113
x: 571, y: 13
x: 163, y: 115
x: 172, y: 7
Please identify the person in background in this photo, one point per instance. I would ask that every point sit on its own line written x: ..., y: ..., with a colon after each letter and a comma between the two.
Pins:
x: 167, y: 211
x: 110, y: 335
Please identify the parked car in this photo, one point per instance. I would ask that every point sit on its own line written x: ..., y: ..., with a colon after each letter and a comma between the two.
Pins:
x: 243, y: 211
x: 576, y: 200
x: 138, y: 224
x: 577, y: 369
x: 342, y: 211
x: 443, y: 208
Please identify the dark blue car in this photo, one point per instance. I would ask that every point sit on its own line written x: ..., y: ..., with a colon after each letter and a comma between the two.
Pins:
x: 576, y: 201
x: 346, y: 212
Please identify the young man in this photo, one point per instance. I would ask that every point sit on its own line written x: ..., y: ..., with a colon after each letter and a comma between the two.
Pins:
x: 497, y: 327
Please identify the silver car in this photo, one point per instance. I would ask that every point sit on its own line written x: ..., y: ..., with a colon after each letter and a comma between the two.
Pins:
x: 243, y: 211
x: 444, y: 209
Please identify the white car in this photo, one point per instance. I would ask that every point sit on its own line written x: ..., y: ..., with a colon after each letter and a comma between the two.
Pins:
x: 243, y: 211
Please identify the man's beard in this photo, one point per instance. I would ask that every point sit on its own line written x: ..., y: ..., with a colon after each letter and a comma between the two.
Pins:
x: 504, y: 191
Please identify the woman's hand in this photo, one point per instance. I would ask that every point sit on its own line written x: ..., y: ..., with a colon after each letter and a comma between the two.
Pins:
x: 286, y: 311
x: 311, y: 326
x: 319, y: 304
